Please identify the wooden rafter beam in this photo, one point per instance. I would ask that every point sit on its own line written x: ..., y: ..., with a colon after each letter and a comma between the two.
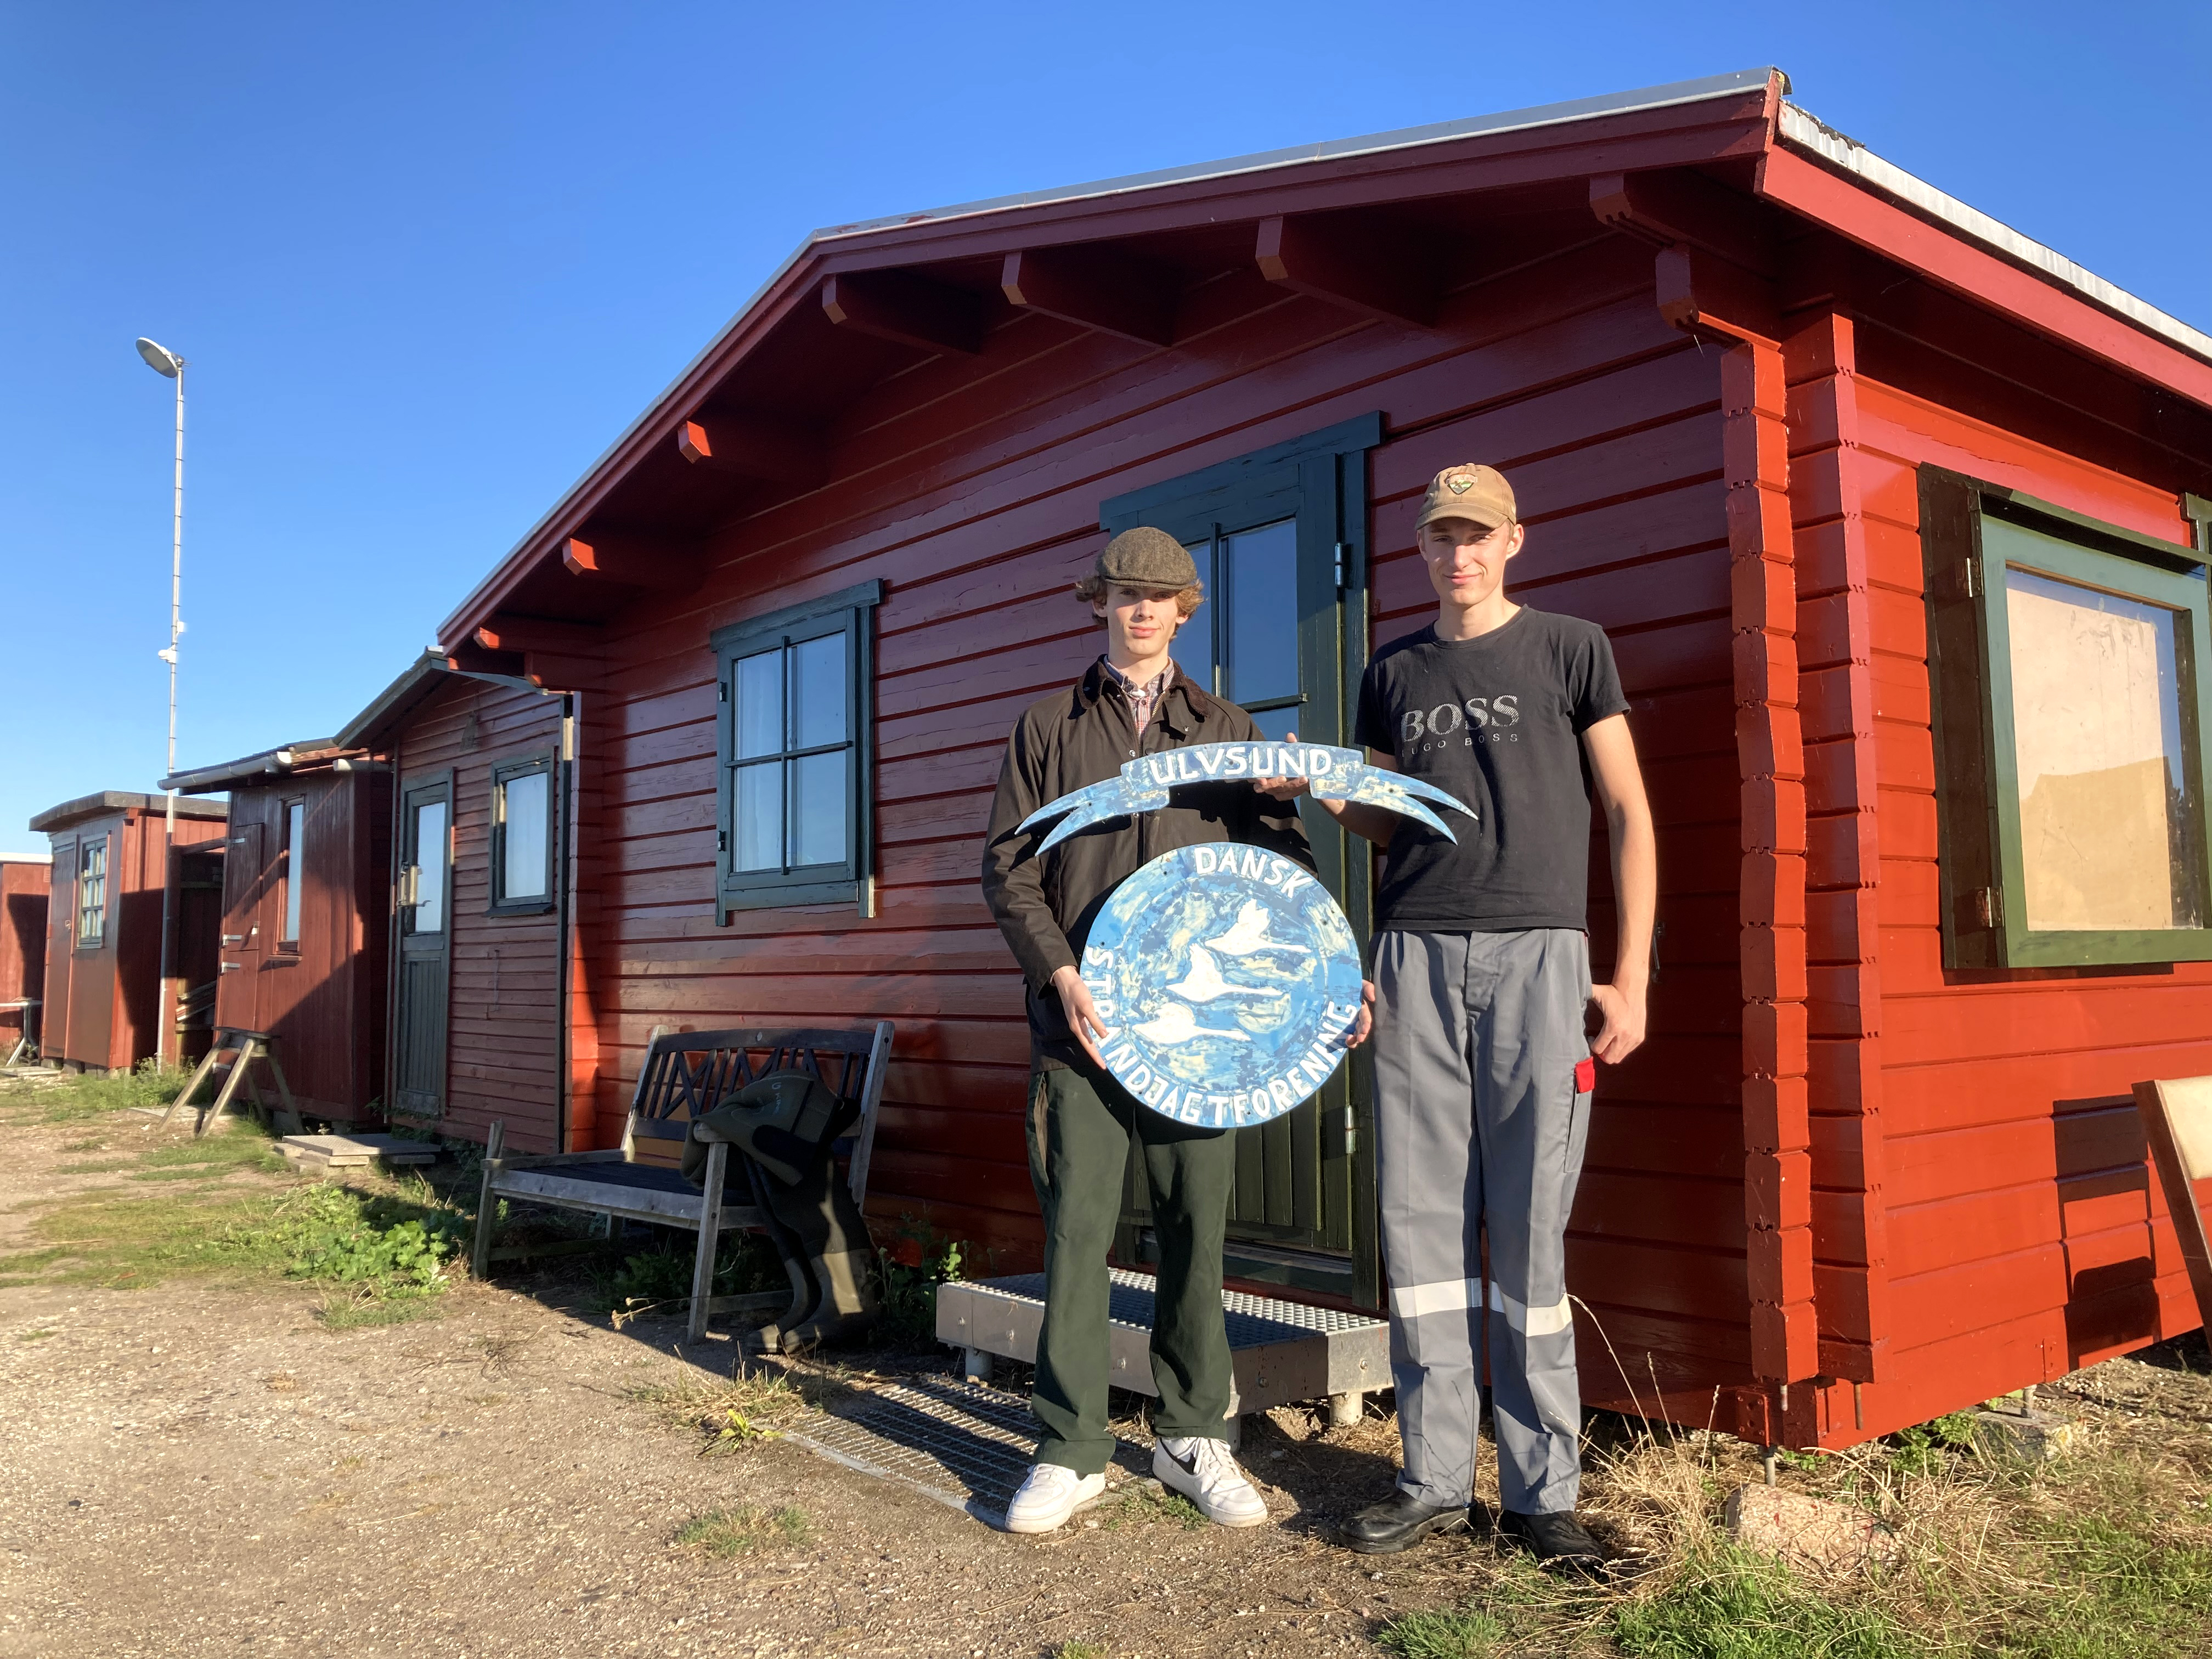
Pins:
x: 473, y: 659
x: 1687, y: 207
x: 1702, y: 294
x: 627, y: 562
x: 504, y: 632
x: 910, y: 310
x: 1096, y: 288
x: 1377, y: 270
x: 751, y: 448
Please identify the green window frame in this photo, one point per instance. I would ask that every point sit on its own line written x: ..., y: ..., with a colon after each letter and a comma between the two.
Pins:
x: 505, y: 899
x: 2040, y: 866
x: 795, y: 778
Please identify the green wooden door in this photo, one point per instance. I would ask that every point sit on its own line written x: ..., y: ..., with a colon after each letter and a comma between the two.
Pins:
x: 1280, y: 538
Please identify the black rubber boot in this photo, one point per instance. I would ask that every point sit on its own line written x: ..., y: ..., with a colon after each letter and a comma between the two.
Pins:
x: 1557, y: 1539
x: 1398, y: 1523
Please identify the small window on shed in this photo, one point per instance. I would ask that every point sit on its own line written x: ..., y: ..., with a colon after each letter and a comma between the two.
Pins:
x: 2067, y: 661
x: 522, y: 837
x: 794, y: 806
x: 292, y: 871
x: 91, y: 893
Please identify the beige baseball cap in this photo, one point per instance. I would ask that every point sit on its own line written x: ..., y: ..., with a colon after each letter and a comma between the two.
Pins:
x: 1480, y: 493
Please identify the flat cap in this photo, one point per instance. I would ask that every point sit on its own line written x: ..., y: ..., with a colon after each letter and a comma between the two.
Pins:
x: 1478, y: 493
x: 1146, y: 557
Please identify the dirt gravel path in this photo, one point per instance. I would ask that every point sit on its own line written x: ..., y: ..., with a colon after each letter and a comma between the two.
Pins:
x: 199, y: 1469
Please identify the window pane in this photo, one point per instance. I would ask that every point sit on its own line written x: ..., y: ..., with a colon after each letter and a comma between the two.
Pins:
x: 758, y: 682
x: 1263, y: 612
x: 1194, y: 641
x: 757, y: 820
x: 817, y: 809
x: 523, y: 808
x: 92, y: 890
x: 2104, y: 818
x: 430, y: 856
x: 295, y: 849
x: 818, y: 692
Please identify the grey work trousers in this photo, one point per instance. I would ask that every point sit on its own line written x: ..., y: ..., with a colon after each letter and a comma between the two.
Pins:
x: 1481, y: 1111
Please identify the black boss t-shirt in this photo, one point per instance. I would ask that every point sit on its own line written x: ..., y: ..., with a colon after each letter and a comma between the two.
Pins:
x: 1496, y: 722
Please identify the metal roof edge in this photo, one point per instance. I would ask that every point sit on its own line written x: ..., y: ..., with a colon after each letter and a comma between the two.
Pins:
x: 27, y: 857
x: 1336, y: 149
x: 247, y: 767
x: 117, y: 800
x: 393, y: 699
x: 1807, y: 131
x: 1622, y: 103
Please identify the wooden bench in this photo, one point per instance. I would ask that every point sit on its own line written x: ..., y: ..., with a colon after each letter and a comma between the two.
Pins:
x: 2177, y: 1119
x: 686, y: 1075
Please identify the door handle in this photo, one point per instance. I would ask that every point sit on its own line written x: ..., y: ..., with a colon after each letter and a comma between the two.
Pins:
x: 230, y: 966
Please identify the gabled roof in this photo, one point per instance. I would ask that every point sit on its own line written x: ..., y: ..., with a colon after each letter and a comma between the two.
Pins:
x: 117, y: 800
x: 1739, y: 120
x: 422, y: 680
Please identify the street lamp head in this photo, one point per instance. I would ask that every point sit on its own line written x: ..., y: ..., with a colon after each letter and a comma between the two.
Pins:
x: 160, y: 359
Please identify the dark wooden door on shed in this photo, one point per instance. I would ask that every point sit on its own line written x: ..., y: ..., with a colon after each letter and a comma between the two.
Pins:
x: 1280, y: 541
x: 245, y: 884
x: 426, y: 894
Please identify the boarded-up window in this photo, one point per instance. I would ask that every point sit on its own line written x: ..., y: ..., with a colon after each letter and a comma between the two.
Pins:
x: 2065, y: 660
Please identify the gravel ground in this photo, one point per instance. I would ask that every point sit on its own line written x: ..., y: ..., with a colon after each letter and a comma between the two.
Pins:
x: 197, y: 1468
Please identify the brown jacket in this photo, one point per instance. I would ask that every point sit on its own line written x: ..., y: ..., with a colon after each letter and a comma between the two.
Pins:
x: 1082, y: 736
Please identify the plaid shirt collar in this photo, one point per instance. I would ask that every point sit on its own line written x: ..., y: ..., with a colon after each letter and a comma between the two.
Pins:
x: 1144, y: 697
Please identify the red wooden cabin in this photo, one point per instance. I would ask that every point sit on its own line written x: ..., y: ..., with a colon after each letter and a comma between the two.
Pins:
x: 305, y: 902
x: 104, y: 1003
x: 1765, y: 399
x: 478, y: 800
x: 23, y: 881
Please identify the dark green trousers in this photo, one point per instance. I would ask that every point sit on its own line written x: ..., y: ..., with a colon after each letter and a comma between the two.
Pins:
x: 1079, y: 1128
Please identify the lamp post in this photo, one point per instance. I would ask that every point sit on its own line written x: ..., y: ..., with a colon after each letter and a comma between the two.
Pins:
x: 164, y: 362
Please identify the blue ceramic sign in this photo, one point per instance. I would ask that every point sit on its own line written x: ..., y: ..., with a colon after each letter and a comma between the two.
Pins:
x: 1229, y: 980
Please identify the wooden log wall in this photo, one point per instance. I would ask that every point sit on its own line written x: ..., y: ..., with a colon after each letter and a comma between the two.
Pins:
x: 1563, y: 373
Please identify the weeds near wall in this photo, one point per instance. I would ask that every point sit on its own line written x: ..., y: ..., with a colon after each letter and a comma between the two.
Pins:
x: 914, y: 1265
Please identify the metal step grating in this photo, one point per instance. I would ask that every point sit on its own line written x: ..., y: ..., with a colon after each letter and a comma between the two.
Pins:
x: 960, y: 1444
x: 1283, y: 1351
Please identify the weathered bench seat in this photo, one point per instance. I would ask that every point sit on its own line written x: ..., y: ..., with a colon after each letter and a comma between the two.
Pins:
x: 686, y: 1075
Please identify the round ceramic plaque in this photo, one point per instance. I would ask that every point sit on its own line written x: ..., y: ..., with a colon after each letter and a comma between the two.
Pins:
x: 1229, y: 980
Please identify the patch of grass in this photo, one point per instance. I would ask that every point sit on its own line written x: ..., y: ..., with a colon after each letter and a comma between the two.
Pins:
x: 731, y: 1415
x: 381, y: 1249
x: 661, y: 1278
x: 1442, y: 1634
x: 1143, y: 1501
x: 1727, y: 1602
x: 35, y: 1336
x: 84, y: 1096
x: 1079, y: 1650
x: 744, y: 1529
x: 910, y: 1284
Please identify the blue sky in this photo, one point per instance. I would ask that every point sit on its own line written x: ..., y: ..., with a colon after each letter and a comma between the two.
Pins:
x: 428, y: 261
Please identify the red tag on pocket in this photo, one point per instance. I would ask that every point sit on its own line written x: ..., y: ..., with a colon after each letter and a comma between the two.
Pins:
x: 1585, y: 1076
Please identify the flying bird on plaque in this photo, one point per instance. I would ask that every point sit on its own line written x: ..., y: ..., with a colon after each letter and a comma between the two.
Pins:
x: 1226, y: 974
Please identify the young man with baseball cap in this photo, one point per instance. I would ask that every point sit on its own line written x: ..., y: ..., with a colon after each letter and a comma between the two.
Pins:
x: 1133, y: 701
x: 1483, y: 1069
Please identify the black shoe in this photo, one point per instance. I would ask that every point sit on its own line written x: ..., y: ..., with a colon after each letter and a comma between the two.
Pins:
x: 1556, y: 1539
x: 1398, y: 1522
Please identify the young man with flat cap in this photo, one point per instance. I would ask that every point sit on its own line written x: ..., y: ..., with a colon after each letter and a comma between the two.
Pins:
x: 1134, y: 700
x: 1483, y: 1070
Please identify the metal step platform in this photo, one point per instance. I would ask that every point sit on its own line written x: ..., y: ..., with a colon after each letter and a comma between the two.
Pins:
x: 1283, y: 1351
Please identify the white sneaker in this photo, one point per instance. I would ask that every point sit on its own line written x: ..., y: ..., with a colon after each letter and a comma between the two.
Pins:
x: 1050, y: 1495
x: 1205, y: 1472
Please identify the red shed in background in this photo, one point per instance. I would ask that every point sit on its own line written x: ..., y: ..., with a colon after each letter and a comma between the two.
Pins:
x: 1893, y: 516
x: 480, y: 869
x: 104, y: 998
x: 24, y: 877
x: 306, y: 897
